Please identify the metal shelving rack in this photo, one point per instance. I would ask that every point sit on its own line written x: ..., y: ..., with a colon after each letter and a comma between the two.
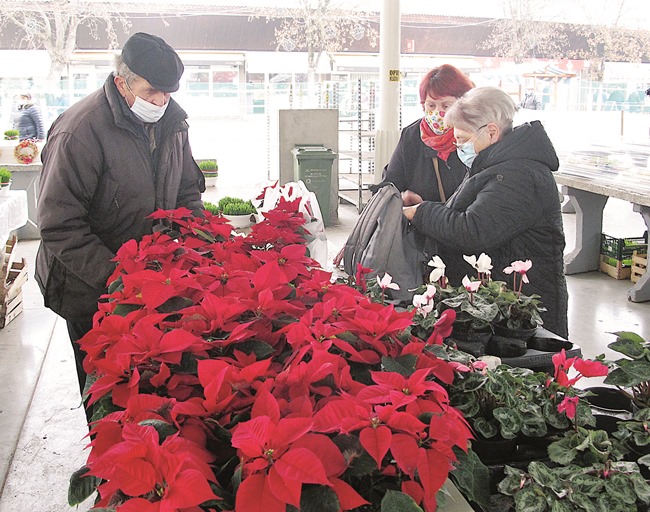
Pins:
x: 353, y: 187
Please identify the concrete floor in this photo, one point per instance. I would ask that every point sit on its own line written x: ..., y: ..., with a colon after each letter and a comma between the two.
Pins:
x: 43, y: 424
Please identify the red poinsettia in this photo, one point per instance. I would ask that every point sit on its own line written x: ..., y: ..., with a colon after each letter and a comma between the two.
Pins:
x: 234, y: 363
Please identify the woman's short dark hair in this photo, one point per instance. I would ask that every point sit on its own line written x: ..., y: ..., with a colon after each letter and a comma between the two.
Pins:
x: 445, y: 80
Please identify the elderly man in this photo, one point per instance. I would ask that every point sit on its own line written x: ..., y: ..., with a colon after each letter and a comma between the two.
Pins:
x: 110, y: 160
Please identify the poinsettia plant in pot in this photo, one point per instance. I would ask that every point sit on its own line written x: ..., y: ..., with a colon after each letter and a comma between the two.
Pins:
x: 230, y: 373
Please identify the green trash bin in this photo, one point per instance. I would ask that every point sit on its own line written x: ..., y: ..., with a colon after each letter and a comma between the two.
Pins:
x: 313, y: 165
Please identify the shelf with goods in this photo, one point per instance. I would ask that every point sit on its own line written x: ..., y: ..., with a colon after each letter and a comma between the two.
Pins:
x: 357, y: 144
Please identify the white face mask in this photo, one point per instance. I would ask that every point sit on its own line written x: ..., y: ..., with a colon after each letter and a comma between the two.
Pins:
x: 145, y: 111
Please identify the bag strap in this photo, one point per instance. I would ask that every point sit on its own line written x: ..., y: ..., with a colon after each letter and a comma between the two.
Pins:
x: 441, y: 189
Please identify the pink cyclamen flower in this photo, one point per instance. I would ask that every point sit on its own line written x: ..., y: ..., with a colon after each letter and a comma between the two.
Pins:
x: 387, y: 282
x: 568, y: 406
x: 471, y: 286
x: 521, y: 267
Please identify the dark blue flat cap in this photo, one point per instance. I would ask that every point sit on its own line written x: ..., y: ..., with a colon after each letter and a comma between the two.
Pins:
x: 154, y: 60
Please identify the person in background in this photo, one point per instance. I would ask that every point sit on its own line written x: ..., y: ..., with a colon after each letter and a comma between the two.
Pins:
x: 531, y: 101
x: 507, y: 207
x: 110, y: 161
x: 28, y: 120
x: 424, y: 165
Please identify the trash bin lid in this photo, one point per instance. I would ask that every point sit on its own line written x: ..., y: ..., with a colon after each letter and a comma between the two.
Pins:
x: 313, y: 151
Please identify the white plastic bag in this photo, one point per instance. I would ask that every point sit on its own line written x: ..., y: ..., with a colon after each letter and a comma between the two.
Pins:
x: 310, y: 210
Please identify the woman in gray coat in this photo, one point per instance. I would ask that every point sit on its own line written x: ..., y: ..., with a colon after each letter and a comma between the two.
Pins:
x: 507, y: 207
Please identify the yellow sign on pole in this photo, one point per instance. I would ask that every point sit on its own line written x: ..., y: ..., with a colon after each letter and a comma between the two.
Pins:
x: 394, y: 75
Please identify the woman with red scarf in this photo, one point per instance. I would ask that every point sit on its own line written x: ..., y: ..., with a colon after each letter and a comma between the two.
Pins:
x: 425, y: 165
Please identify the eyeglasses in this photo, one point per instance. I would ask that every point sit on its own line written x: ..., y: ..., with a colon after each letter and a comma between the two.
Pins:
x: 480, y: 130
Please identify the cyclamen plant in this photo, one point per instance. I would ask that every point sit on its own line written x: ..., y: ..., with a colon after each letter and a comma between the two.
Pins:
x: 230, y: 373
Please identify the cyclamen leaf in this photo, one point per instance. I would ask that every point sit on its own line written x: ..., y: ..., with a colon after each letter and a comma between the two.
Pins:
x: 531, y: 499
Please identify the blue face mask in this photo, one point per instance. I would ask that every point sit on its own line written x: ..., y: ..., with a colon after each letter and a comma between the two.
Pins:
x: 466, y: 153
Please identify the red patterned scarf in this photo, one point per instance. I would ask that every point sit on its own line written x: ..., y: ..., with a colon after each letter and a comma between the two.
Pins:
x: 443, y: 144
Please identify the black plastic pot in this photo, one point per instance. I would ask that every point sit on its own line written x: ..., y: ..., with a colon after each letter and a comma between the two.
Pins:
x: 506, y: 347
x: 472, y: 342
x: 520, y: 334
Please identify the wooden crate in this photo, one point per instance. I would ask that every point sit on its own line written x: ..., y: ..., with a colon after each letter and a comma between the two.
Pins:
x: 617, y: 271
x: 639, y: 266
x: 8, y: 257
x: 11, y: 293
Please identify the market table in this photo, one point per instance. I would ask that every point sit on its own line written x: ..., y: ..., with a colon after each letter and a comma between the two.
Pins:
x: 13, y: 213
x: 590, y: 178
x: 26, y: 177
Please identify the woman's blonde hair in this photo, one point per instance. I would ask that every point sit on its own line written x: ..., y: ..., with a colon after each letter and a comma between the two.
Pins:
x: 480, y: 106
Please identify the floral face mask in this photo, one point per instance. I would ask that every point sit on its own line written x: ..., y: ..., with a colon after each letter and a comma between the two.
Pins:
x: 436, y: 121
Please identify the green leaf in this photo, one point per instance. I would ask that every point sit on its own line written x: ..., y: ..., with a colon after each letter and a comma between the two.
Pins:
x: 115, y: 285
x: 163, y: 428
x: 629, y: 344
x: 125, y: 309
x: 562, y: 451
x: 395, y: 501
x: 261, y: 349
x: 404, y: 365
x: 619, y: 487
x: 509, y: 420
x: 362, y: 466
x: 471, y: 477
x: 531, y: 499
x: 486, y: 428
x: 174, y: 304
x: 542, y: 474
x: 81, y: 487
x: 205, y: 235
x: 318, y: 498
x: 511, y: 484
x: 641, y: 487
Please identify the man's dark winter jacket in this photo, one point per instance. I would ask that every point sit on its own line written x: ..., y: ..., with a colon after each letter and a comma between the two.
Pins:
x: 411, y: 167
x: 99, y: 183
x: 508, y: 207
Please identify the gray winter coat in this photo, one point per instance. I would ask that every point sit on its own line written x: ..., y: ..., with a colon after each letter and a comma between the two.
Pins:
x: 508, y: 207
x: 99, y: 183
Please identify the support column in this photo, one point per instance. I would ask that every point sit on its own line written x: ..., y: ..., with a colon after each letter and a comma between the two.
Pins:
x: 387, y: 134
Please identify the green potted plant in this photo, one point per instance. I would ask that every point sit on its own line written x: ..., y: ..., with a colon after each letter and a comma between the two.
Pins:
x: 5, y: 180
x: 11, y: 134
x: 237, y: 211
x: 609, y: 485
x: 210, y: 171
x: 630, y: 374
x: 211, y: 207
x: 519, y: 314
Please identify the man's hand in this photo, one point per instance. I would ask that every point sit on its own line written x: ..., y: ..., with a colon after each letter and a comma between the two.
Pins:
x: 410, y: 198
